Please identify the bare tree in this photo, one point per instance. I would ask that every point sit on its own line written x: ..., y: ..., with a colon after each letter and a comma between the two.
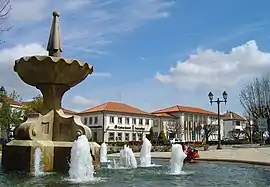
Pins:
x: 5, y: 8
x: 176, y: 127
x: 209, y: 129
x: 255, y: 98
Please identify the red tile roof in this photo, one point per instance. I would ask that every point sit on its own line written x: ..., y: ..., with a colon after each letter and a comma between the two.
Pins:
x: 178, y: 108
x: 12, y: 102
x: 67, y: 111
x: 163, y: 115
x: 229, y: 115
x: 115, y: 107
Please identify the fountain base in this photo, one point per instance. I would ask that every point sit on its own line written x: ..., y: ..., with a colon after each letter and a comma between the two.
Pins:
x: 19, y: 155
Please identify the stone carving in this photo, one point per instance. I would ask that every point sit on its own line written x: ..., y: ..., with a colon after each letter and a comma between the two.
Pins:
x: 52, y: 130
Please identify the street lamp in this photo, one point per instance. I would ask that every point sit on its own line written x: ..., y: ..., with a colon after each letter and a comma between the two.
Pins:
x: 218, y: 101
x: 2, y: 93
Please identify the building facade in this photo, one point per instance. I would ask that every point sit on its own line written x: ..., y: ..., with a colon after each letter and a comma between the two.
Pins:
x: 166, y: 123
x: 185, y: 123
x: 117, y: 122
x: 233, y: 124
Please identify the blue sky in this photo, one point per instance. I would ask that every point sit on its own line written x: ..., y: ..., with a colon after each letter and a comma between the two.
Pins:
x: 147, y: 53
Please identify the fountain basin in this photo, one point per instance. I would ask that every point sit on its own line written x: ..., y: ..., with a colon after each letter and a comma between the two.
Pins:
x: 19, y: 155
x: 38, y: 70
x: 199, y: 175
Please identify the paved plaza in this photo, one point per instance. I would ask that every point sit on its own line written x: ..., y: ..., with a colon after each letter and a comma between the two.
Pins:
x: 259, y: 155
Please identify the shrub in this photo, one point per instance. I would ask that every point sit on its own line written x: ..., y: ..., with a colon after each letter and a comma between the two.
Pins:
x: 161, y: 137
x: 151, y: 135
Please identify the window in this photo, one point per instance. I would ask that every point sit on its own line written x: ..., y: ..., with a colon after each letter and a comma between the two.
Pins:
x: 127, y: 137
x: 95, y: 136
x: 134, y: 121
x: 185, y: 117
x: 96, y: 120
x: 147, y: 122
x: 85, y: 121
x: 195, y: 117
x: 156, y: 135
x: 111, y: 119
x: 190, y: 117
x: 90, y: 120
x: 119, y: 120
x: 189, y: 125
x: 155, y: 123
x: 127, y: 121
x: 134, y: 136
x: 140, y: 121
x: 237, y: 123
x: 200, y: 119
x: 119, y: 136
x: 140, y: 136
x: 111, y: 136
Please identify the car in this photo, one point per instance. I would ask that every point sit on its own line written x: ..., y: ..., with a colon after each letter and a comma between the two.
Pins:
x: 228, y: 139
x: 175, y: 141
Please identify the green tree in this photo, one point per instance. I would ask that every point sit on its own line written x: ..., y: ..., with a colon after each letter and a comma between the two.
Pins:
x: 161, y: 137
x: 9, y: 116
x: 151, y: 135
x: 33, y: 106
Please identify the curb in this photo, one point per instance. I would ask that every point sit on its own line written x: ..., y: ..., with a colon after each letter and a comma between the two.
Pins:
x: 234, y: 161
x: 225, y: 160
x: 259, y: 163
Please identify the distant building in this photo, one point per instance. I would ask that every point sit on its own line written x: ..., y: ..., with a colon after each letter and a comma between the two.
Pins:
x: 70, y: 112
x: 166, y: 123
x: 114, y: 121
x: 183, y: 122
x: 233, y: 123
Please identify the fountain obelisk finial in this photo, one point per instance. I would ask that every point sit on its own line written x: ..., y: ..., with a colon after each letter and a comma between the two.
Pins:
x: 54, y: 44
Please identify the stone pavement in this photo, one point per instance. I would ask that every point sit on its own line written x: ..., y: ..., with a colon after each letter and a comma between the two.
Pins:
x: 259, y: 156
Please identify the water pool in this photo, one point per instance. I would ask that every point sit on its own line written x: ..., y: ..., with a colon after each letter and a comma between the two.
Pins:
x: 196, y: 175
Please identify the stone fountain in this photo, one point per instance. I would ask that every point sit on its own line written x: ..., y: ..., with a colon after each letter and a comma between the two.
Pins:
x: 51, y: 130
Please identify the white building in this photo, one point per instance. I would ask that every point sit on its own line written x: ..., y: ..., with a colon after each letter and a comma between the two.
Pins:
x: 113, y: 121
x: 166, y: 123
x: 233, y: 125
x: 185, y: 122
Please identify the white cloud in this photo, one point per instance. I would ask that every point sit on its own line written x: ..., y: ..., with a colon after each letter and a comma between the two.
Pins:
x: 103, y: 22
x: 86, y: 26
x: 209, y: 68
x: 142, y: 58
x: 9, y: 78
x: 82, y: 101
x: 8, y: 55
x: 71, y: 4
x: 101, y: 74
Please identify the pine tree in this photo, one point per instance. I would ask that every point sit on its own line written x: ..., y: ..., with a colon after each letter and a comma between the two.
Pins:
x: 151, y: 135
x: 161, y: 137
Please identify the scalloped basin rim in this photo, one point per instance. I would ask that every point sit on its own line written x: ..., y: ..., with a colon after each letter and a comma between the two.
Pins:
x: 53, y: 59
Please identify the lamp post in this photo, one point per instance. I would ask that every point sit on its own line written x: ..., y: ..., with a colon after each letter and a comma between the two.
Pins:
x: 218, y: 101
x: 2, y: 93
